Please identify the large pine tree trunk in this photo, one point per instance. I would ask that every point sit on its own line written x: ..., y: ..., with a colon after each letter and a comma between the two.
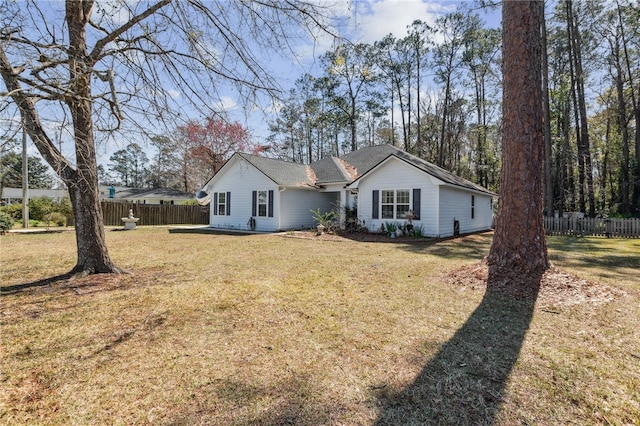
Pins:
x: 518, y: 255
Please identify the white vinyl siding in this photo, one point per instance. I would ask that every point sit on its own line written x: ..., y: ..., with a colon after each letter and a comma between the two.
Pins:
x: 437, y: 203
x: 473, y: 214
x: 291, y: 206
x: 240, y: 179
x: 296, y: 205
x: 397, y: 174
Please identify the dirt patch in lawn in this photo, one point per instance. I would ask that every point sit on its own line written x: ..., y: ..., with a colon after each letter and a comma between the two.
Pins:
x: 557, y: 287
x: 50, y: 294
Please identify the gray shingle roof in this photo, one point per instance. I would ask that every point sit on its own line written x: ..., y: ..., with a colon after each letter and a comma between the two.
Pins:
x: 364, y: 159
x: 432, y: 169
x: 282, y: 172
x: 329, y: 170
x: 348, y: 168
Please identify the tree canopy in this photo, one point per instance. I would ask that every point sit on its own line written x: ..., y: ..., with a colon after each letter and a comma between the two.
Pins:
x: 436, y: 92
x: 11, y: 172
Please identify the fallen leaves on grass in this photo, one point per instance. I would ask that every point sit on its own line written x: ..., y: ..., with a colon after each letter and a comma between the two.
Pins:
x: 32, y: 392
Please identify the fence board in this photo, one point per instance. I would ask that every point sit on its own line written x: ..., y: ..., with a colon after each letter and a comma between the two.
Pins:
x: 154, y: 214
x: 620, y: 228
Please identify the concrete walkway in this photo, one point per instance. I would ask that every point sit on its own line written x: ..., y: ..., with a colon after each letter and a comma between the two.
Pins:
x: 199, y: 229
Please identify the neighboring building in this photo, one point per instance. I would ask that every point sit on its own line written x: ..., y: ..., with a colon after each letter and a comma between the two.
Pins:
x: 14, y: 195
x: 107, y: 193
x: 145, y: 196
x: 384, y: 183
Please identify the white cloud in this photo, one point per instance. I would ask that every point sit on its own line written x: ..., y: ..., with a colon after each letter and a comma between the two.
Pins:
x: 376, y: 19
x: 116, y: 10
x: 225, y: 103
x: 174, y: 94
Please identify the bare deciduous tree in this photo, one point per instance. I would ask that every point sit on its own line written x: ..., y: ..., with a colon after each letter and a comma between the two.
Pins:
x: 129, y: 67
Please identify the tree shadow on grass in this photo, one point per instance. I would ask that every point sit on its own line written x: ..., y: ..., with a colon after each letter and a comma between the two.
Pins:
x: 464, y: 383
x: 19, y: 288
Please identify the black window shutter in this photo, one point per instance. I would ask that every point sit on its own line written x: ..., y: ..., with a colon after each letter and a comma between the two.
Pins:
x: 228, y: 203
x: 254, y: 201
x: 215, y: 203
x: 271, y: 203
x: 376, y: 202
x: 416, y: 203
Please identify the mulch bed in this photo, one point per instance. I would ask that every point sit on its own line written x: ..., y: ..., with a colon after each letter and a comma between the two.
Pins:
x: 558, y: 288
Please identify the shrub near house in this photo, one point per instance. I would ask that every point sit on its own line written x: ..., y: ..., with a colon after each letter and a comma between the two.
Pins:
x: 42, y: 210
x: 6, y: 222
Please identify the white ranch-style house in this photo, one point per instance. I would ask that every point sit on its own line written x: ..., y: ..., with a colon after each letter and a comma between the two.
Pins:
x: 384, y: 183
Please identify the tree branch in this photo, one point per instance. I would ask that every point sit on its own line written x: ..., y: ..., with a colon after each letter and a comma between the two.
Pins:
x: 28, y: 111
x: 100, y: 44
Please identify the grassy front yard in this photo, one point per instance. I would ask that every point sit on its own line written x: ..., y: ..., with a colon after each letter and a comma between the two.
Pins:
x: 272, y: 330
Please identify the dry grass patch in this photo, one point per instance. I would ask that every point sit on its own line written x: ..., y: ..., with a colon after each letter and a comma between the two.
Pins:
x: 266, y: 329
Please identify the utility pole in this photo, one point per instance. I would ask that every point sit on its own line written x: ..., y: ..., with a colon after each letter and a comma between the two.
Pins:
x: 25, y: 179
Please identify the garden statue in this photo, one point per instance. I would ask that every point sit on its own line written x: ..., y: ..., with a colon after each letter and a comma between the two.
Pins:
x: 130, y: 222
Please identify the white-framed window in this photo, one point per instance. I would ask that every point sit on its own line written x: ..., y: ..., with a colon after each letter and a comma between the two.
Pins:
x: 395, y: 203
x: 263, y: 203
x: 222, y: 203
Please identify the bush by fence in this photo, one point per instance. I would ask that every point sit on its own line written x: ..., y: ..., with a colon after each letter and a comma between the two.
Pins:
x: 621, y: 228
x: 154, y: 214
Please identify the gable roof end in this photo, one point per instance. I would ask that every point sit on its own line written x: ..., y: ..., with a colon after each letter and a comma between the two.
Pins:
x: 379, y: 154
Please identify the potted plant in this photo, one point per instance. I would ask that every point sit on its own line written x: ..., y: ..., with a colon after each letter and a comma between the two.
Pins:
x: 391, y: 229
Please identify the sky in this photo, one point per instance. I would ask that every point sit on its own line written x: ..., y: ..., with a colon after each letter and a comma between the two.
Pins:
x: 361, y: 21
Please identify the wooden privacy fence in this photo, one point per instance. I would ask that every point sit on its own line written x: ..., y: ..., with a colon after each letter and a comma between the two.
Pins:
x: 621, y: 228
x: 154, y: 214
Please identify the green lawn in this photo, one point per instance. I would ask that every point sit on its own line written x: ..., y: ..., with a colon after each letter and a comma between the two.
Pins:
x: 271, y: 330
